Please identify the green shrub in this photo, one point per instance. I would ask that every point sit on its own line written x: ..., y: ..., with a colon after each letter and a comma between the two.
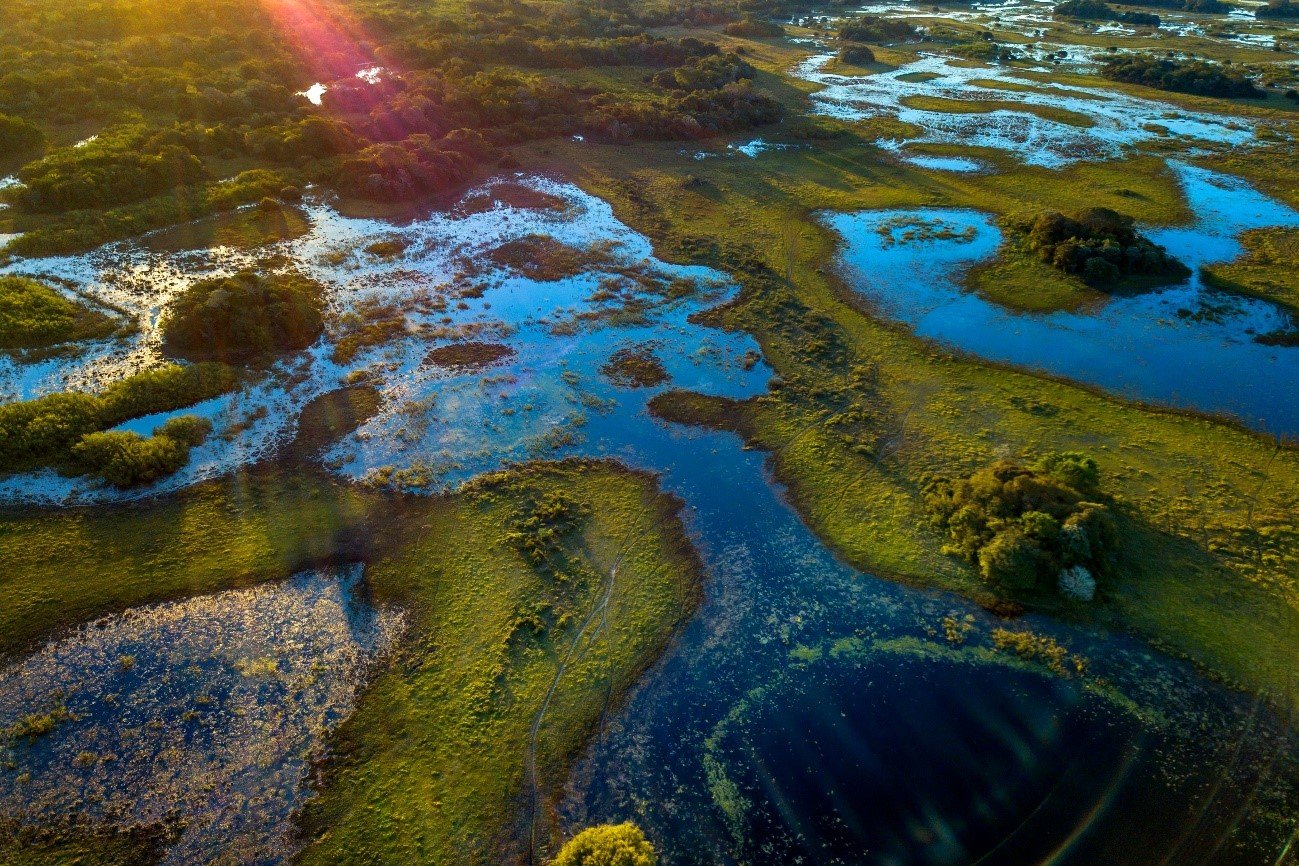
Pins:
x: 34, y: 315
x: 608, y: 845
x: 1013, y: 560
x: 753, y: 28
x: 41, y: 431
x: 189, y: 430
x: 1073, y: 468
x: 857, y: 55
x: 44, y: 431
x: 246, y: 318
x: 1098, y: 244
x: 165, y: 389
x: 19, y: 136
x: 1023, y: 527
x: 126, y: 459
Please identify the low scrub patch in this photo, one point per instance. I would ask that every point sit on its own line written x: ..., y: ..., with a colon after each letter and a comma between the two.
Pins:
x: 247, y: 318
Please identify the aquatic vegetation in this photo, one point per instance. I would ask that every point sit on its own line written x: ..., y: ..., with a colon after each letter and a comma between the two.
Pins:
x: 1101, y: 246
x: 607, y: 845
x: 635, y: 367
x: 35, y: 316
x: 246, y: 318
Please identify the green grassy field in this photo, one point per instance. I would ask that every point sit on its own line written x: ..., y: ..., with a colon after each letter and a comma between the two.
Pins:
x: 441, y: 761
x: 435, y: 764
x: 1266, y: 270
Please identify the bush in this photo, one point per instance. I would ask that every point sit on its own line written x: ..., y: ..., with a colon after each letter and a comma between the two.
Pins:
x: 246, y: 318
x: 189, y: 430
x: 19, y: 136
x: 1182, y: 76
x: 608, y: 845
x: 857, y: 55
x: 753, y: 28
x: 1023, y: 527
x: 1100, y: 245
x: 43, y: 432
x: 869, y: 28
x: 126, y: 459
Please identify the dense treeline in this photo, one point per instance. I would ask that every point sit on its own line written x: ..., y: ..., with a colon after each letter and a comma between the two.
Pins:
x: 1096, y: 10
x: 1278, y: 9
x: 1099, y: 245
x: 1202, y: 6
x: 872, y: 28
x: 179, y: 91
x: 1182, y: 76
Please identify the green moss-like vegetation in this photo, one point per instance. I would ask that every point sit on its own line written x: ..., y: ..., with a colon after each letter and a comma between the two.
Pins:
x: 1269, y: 268
x: 34, y: 316
x: 247, y: 318
x: 46, y: 431
x: 69, y: 565
x: 562, y: 583
x: 23, y: 846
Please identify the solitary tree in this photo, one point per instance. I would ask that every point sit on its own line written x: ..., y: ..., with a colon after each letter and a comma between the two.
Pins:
x: 608, y: 845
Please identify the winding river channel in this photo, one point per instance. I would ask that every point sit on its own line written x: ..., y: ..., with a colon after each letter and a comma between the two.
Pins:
x: 808, y: 710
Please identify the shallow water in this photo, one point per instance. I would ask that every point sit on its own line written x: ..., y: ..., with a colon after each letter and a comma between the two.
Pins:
x: 1120, y: 121
x: 1187, y: 346
x: 775, y: 594
x: 210, y: 708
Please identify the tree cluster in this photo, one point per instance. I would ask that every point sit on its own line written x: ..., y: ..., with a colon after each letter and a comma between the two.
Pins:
x: 1029, y: 529
x: 1182, y: 76
x: 247, y: 318
x: 1099, y: 245
x: 1097, y: 10
x: 872, y: 28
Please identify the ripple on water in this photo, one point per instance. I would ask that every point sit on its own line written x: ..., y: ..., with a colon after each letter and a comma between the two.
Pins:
x: 208, y: 711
